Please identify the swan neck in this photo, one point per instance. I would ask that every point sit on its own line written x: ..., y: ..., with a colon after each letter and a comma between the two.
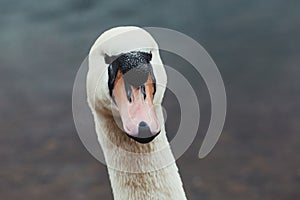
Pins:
x: 139, y: 171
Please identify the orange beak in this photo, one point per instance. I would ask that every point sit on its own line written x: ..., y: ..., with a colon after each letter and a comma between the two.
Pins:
x: 136, y: 109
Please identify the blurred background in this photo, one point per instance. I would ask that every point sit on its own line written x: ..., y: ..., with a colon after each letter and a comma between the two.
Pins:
x: 255, y: 44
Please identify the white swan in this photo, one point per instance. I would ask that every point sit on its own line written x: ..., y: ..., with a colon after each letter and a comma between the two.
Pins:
x: 125, y: 86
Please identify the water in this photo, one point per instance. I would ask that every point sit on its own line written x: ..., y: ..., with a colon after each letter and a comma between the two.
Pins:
x: 254, y: 44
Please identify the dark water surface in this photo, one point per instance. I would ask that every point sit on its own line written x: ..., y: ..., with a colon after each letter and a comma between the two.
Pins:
x: 254, y: 43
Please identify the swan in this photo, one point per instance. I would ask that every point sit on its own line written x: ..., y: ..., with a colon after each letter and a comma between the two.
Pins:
x: 125, y: 86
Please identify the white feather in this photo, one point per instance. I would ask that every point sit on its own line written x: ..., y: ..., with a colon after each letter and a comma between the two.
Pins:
x: 157, y: 176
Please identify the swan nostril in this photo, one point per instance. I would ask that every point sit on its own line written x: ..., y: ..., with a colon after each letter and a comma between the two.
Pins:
x: 143, y: 124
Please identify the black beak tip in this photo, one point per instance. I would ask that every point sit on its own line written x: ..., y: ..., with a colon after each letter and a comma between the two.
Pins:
x: 144, y: 140
x: 143, y: 124
x: 145, y: 136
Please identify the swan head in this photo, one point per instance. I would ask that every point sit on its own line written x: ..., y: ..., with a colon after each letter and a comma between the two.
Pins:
x: 126, y: 77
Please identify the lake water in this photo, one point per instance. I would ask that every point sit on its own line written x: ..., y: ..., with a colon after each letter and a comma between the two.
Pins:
x: 255, y: 44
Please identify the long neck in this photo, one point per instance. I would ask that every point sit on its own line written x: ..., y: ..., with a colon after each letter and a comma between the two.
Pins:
x: 138, y: 171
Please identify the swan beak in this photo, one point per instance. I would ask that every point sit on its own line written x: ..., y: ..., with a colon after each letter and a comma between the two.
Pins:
x: 136, y: 109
